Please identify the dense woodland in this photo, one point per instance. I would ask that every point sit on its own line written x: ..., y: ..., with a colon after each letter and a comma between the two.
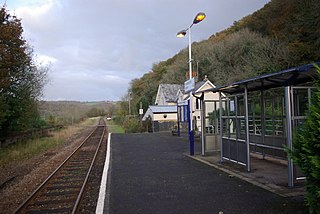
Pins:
x: 282, y: 34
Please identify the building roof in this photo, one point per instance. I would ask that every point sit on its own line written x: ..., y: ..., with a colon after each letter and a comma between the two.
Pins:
x: 163, y: 109
x: 292, y: 76
x: 170, y: 91
x: 198, y: 85
x: 158, y: 109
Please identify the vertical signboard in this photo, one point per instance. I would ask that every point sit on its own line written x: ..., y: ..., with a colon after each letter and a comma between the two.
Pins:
x: 189, y: 85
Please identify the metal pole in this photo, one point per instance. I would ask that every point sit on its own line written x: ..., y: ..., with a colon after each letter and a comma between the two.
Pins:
x: 236, y: 113
x: 191, y: 139
x: 190, y: 57
x: 140, y: 116
x: 190, y: 77
x: 178, y: 118
x: 203, y: 117
x: 129, y: 104
x: 221, y: 126
x: 191, y: 136
x: 263, y: 120
x: 247, y: 128
x: 288, y: 100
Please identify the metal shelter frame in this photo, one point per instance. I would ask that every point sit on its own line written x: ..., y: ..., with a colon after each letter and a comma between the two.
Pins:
x: 235, y: 122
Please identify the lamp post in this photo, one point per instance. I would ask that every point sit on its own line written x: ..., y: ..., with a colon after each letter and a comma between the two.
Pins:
x: 199, y: 17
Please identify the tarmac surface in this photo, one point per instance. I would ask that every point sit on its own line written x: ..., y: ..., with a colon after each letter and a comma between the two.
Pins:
x: 151, y: 173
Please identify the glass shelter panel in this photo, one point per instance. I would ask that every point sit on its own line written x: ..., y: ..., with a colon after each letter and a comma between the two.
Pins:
x: 234, y: 130
x: 211, y: 117
x: 211, y: 134
x: 301, y: 97
x: 267, y: 123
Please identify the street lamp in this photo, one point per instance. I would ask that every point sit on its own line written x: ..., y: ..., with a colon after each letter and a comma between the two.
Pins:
x: 199, y: 17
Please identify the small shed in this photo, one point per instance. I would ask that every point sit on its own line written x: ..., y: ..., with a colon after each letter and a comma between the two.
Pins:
x: 161, y: 117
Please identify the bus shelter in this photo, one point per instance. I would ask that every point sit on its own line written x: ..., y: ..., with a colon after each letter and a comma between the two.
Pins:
x: 259, y: 115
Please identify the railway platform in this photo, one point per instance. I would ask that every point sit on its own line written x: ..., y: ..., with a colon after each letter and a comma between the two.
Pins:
x: 151, y: 173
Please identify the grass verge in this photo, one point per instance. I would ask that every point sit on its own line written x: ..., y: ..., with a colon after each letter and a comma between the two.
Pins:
x: 27, y: 149
x: 112, y: 127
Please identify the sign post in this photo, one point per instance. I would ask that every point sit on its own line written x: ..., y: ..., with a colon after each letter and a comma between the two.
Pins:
x: 188, y: 87
x: 191, y: 136
x: 141, y: 113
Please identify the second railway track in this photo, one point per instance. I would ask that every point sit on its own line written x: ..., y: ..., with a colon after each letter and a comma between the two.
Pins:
x: 61, y: 192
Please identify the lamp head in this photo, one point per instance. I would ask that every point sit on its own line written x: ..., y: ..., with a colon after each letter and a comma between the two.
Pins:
x: 181, y: 33
x: 199, y: 17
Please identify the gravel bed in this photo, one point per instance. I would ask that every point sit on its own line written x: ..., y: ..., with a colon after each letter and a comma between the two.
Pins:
x: 18, y: 180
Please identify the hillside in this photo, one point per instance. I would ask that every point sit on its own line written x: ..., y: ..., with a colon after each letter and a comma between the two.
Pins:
x: 282, y: 34
x: 296, y: 22
x: 72, y: 111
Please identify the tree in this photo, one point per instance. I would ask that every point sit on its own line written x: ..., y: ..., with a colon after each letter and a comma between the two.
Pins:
x: 241, y: 55
x: 21, y: 81
x: 95, y: 112
x: 296, y: 22
x: 145, y: 104
x: 306, y: 147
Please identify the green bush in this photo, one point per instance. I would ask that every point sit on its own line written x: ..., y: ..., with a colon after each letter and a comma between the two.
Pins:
x: 96, y: 112
x: 306, y: 152
x: 131, y: 125
x: 118, y: 120
x: 39, y: 123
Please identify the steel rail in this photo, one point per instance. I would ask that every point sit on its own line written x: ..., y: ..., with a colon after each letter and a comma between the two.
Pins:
x: 24, y: 203
x: 88, y: 173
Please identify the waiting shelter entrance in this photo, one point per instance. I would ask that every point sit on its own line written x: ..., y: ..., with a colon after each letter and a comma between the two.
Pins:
x: 210, y: 135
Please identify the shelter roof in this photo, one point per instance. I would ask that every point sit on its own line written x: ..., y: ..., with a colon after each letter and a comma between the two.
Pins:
x: 292, y: 76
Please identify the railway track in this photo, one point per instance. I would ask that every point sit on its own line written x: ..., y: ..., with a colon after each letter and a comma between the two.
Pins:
x: 62, y: 191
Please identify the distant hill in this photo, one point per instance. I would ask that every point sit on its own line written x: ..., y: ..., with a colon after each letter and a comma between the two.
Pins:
x: 71, y: 111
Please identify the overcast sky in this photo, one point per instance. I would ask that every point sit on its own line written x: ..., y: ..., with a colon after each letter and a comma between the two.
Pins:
x: 96, y: 47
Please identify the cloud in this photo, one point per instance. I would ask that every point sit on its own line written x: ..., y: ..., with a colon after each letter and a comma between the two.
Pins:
x: 81, y: 85
x: 43, y: 60
x: 97, y: 47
